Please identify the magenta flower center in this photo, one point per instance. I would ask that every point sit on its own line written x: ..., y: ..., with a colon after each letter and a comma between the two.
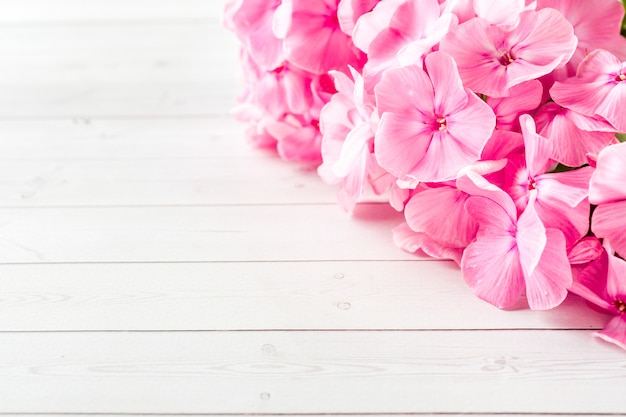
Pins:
x: 506, y: 58
x: 620, y: 305
x: 532, y: 184
x: 620, y: 77
x: 441, y: 124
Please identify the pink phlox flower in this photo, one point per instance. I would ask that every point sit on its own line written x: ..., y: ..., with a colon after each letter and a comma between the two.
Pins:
x: 423, y: 214
x: 252, y: 22
x: 348, y: 139
x: 599, y: 89
x: 414, y: 28
x: 522, y: 98
x: 603, y: 283
x: 315, y: 42
x: 410, y: 241
x: 349, y: 12
x: 298, y: 137
x: 597, y: 25
x: 492, y: 60
x: 430, y: 126
x: 573, y: 135
x: 512, y: 254
x: 560, y: 197
x: 607, y: 191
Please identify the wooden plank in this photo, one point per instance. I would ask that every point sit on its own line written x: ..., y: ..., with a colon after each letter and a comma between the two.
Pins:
x: 224, y: 233
x: 79, y: 11
x: 311, y: 372
x: 86, y: 138
x: 132, y: 68
x: 175, y: 181
x: 286, y: 295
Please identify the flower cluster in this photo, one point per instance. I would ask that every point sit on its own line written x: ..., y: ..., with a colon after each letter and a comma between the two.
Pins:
x: 492, y: 125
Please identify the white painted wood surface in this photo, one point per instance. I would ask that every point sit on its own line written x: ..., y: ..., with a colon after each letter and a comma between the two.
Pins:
x: 151, y: 263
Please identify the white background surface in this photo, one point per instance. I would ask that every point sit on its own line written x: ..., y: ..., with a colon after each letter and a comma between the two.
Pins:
x: 152, y: 263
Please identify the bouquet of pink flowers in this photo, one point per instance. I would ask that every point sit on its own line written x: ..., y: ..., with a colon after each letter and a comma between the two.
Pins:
x: 493, y: 125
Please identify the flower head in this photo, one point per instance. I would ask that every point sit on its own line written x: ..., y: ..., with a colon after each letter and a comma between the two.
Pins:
x: 431, y: 126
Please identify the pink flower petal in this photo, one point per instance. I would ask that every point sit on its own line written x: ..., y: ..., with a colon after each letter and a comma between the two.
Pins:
x: 538, y: 148
x: 606, y: 182
x: 574, y: 135
x: 522, y: 98
x: 401, y: 142
x: 450, y: 95
x: 547, y: 286
x: 615, y: 331
x: 371, y: 24
x: 531, y: 238
x: 411, y: 241
x: 612, y: 108
x: 608, y: 222
x: 499, y: 12
x: 491, y: 264
x: 423, y: 214
x: 402, y: 90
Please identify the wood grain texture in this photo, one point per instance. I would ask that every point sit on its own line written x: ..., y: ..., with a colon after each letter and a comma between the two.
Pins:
x: 316, y: 372
x: 212, y: 233
x: 284, y: 295
x: 121, y: 68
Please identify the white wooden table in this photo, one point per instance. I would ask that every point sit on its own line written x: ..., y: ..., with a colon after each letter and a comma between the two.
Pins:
x: 152, y: 263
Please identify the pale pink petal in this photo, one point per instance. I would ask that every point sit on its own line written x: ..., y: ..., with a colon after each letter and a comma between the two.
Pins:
x: 402, y: 90
x: 491, y: 264
x: 349, y: 11
x: 522, y: 98
x: 574, y: 135
x: 609, y: 222
x: 476, y: 185
x: 615, y: 331
x: 538, y: 148
x: 596, y: 24
x: 548, y: 41
x: 411, y: 241
x: 531, y: 238
x: 371, y: 24
x: 353, y: 185
x: 499, y: 12
x: 607, y: 180
x: 382, y: 56
x: 547, y: 286
x: 569, y: 187
x: 450, y: 95
x: 353, y: 150
x: 595, y: 78
x: 424, y: 214
x: 282, y: 19
x: 401, y: 142
x: 406, y: 239
x: 612, y: 107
